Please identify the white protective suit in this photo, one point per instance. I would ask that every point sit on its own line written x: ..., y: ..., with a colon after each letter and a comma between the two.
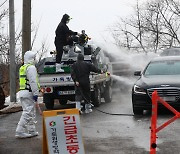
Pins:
x: 26, y: 125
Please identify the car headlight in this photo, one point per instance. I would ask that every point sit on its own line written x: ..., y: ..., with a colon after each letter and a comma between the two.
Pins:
x: 139, y: 90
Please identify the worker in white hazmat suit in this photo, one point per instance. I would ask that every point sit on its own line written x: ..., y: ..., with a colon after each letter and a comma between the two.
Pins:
x: 29, y: 91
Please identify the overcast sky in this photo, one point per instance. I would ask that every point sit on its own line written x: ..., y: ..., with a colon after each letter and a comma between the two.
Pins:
x: 94, y: 16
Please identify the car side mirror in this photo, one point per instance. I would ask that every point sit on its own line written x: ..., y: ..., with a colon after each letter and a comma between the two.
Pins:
x: 137, y: 73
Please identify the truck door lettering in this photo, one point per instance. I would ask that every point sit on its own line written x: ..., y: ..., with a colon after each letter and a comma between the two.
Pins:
x: 68, y: 78
x: 61, y: 78
x: 55, y: 79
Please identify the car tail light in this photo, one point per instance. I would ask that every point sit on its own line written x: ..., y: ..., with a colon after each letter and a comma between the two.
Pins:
x: 47, y: 89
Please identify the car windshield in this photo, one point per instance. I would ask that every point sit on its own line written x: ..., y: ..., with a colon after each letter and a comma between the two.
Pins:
x: 163, y: 68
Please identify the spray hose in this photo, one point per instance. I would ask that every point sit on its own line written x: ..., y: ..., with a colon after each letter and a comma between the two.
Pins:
x: 117, y: 114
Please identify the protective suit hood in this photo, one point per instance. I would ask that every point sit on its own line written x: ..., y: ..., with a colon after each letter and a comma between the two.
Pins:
x: 29, y: 57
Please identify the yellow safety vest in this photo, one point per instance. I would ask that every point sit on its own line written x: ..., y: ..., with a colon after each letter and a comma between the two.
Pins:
x: 23, y: 81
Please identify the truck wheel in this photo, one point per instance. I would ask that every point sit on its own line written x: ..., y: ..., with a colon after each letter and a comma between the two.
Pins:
x: 108, y: 93
x: 96, y: 97
x: 49, y: 101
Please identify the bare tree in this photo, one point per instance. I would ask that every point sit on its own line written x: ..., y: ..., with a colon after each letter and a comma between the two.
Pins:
x: 129, y: 32
x: 155, y: 25
x: 4, y: 36
x: 4, y: 46
x: 43, y: 50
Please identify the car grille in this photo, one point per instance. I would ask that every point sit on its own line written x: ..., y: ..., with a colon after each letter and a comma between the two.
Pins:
x: 166, y: 92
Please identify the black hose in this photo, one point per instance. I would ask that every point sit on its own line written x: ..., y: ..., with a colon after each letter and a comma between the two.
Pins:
x: 117, y: 114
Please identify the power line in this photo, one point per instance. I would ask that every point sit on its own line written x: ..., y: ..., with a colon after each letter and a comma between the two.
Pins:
x: 3, y: 3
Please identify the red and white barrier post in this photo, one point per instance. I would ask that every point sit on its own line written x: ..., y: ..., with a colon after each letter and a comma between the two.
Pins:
x: 155, y: 100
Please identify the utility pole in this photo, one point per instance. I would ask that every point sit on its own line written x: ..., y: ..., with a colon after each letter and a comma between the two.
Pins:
x: 12, y: 52
x: 26, y: 27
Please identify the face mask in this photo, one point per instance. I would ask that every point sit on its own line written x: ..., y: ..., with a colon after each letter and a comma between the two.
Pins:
x: 67, y: 21
x: 35, y: 61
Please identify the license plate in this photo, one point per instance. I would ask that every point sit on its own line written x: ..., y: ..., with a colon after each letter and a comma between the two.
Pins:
x: 170, y: 98
x: 72, y: 92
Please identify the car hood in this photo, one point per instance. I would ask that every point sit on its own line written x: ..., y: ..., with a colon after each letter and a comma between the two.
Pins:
x: 159, y: 81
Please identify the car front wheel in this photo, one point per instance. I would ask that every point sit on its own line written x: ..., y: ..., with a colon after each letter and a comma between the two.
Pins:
x: 137, y: 111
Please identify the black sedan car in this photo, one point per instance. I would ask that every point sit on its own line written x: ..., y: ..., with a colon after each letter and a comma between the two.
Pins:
x: 161, y: 74
x: 171, y: 52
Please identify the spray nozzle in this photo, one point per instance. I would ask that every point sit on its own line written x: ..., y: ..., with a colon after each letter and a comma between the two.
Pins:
x: 108, y: 74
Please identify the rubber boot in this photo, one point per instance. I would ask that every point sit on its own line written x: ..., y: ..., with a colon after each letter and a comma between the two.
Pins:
x: 58, y: 68
x: 21, y: 132
x: 88, y: 108
x: 32, y: 129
